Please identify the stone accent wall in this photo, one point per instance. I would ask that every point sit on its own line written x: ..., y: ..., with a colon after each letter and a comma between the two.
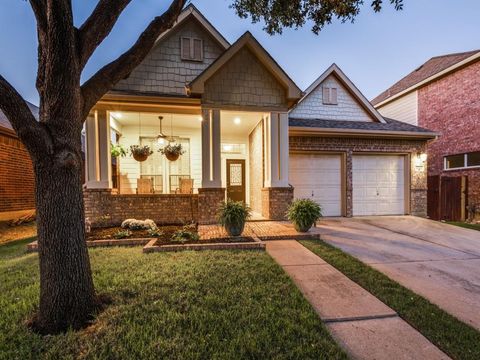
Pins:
x: 245, y: 81
x: 17, y: 182
x: 451, y: 107
x: 107, y: 208
x: 275, y: 202
x: 348, y: 108
x: 208, y: 201
x: 255, y: 140
x: 418, y: 176
x: 163, y: 71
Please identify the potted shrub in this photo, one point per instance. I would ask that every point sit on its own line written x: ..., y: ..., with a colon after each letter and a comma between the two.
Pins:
x: 172, y: 152
x: 303, y: 213
x: 117, y: 150
x: 140, y: 152
x: 232, y: 215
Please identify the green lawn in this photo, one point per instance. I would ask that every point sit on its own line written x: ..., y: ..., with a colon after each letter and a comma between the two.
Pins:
x: 454, y: 337
x: 189, y: 305
x: 465, y: 225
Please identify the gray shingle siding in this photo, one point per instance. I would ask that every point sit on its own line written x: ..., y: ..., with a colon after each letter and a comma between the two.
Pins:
x: 163, y: 71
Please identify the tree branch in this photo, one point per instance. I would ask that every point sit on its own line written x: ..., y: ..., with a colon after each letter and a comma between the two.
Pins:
x: 97, y: 27
x: 32, y: 134
x: 40, y: 10
x: 110, y: 74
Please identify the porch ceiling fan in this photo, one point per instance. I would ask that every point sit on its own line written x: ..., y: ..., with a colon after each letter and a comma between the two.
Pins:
x: 161, y: 137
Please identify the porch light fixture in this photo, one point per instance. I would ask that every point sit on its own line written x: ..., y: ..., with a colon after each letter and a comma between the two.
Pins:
x: 237, y: 121
x: 420, y: 160
x: 200, y: 118
x: 423, y: 157
x: 161, y: 136
x: 117, y: 115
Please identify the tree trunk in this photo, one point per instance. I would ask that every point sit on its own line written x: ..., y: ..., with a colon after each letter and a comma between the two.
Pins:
x: 67, y: 295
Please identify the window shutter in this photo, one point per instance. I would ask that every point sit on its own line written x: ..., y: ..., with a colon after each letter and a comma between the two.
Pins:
x: 333, y: 96
x: 185, y: 48
x: 197, y: 49
x: 326, y: 94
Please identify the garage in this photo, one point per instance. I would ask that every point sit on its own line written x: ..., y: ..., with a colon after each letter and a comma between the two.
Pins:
x: 378, y: 183
x: 318, y: 177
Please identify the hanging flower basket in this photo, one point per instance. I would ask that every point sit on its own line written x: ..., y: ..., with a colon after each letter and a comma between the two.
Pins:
x: 140, y: 153
x: 172, y: 152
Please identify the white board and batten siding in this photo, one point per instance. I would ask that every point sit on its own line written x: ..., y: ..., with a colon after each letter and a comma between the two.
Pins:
x: 318, y: 177
x: 403, y: 109
x: 378, y: 185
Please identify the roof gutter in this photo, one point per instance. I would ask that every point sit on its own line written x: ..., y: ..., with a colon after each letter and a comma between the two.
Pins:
x: 430, y: 79
x: 305, y: 131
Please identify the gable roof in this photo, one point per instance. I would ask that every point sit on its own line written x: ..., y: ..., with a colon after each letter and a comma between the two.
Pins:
x: 197, y: 86
x: 349, y: 85
x: 430, y: 70
x: 5, y: 123
x: 191, y: 10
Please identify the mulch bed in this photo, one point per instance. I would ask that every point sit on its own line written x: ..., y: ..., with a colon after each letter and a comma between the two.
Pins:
x: 108, y: 233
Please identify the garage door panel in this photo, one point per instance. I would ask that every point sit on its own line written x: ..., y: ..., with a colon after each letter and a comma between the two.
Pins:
x: 378, y: 185
x: 317, y: 177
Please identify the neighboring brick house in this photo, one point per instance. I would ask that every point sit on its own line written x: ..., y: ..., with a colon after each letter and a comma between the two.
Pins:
x: 443, y: 95
x: 249, y: 134
x: 16, y: 172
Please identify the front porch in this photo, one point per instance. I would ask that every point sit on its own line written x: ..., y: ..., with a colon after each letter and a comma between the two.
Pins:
x: 234, y: 154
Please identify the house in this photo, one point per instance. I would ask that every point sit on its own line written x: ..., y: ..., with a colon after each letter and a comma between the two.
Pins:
x: 16, y: 171
x: 248, y: 133
x: 443, y: 95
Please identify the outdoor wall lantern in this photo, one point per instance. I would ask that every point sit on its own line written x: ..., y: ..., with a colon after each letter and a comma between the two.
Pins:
x: 420, y: 160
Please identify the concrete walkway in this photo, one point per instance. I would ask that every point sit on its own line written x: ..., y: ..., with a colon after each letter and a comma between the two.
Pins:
x: 435, y: 260
x: 362, y: 324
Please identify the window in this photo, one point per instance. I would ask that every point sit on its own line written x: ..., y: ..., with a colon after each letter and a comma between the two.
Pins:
x: 329, y: 95
x: 462, y: 160
x: 192, y: 49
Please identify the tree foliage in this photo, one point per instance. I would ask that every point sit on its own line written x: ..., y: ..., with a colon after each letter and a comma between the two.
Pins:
x: 279, y: 14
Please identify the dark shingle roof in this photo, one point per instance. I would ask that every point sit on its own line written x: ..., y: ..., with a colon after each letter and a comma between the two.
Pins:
x: 4, y: 123
x: 430, y: 68
x: 390, y: 125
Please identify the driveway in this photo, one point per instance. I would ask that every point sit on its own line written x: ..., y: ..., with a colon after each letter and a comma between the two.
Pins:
x: 438, y: 261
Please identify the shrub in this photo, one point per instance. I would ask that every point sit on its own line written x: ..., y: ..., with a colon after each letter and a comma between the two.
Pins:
x: 117, y: 150
x: 304, y: 213
x: 184, y: 235
x: 122, y: 234
x: 134, y: 224
x: 155, y: 233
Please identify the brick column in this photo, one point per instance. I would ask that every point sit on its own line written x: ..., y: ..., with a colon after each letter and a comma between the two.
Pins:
x: 275, y: 202
x: 349, y: 183
x: 208, y: 202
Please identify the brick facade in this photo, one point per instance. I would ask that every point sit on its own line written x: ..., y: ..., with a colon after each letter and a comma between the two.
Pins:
x: 349, y: 146
x: 17, y: 183
x: 245, y: 81
x: 451, y: 106
x: 275, y: 202
x: 208, y: 201
x: 105, y: 207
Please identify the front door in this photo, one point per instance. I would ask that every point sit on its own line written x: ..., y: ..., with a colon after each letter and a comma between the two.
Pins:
x: 236, y: 180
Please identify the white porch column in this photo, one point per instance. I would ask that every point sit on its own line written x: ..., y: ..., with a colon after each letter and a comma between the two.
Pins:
x: 211, y: 156
x: 98, y: 159
x: 276, y: 149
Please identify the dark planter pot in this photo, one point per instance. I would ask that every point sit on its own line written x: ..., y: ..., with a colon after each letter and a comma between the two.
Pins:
x: 234, y: 230
x: 303, y: 228
x: 172, y: 156
x: 140, y: 157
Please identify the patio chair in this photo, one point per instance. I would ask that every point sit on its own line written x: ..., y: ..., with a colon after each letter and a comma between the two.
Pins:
x: 144, y: 186
x: 186, y: 186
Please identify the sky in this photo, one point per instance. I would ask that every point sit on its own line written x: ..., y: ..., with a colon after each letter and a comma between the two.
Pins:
x: 375, y: 51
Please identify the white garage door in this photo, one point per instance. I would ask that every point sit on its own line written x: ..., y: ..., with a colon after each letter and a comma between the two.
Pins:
x: 318, y: 177
x: 378, y: 185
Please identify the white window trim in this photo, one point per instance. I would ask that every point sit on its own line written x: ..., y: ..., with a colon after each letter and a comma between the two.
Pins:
x: 464, y: 167
x: 329, y: 90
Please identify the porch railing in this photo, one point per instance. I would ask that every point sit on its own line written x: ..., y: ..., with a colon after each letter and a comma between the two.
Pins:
x: 157, y: 182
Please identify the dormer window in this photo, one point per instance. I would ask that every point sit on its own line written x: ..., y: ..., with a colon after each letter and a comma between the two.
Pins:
x: 191, y: 49
x: 329, y: 95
